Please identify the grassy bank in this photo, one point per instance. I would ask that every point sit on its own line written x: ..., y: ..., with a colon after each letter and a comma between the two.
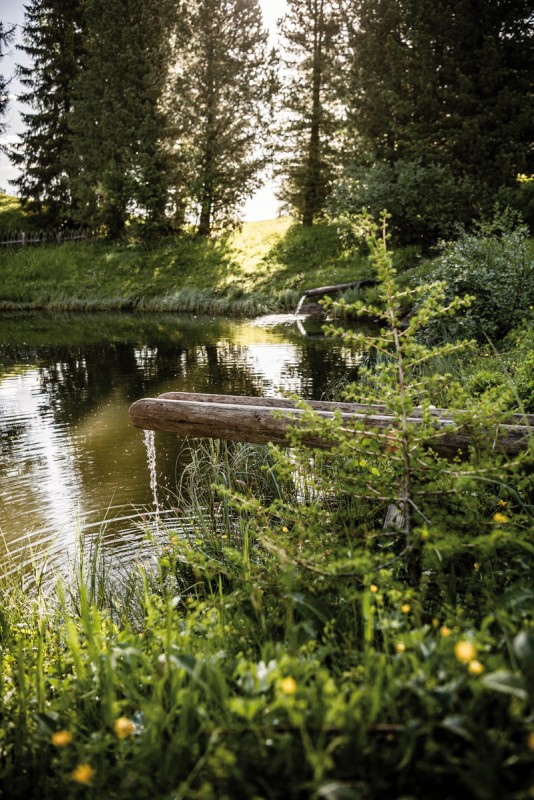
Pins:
x: 258, y: 269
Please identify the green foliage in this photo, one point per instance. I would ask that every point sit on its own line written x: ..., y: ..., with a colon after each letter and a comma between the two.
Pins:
x: 120, y: 130
x: 427, y: 200
x: 495, y: 266
x: 221, y: 107
x: 306, y: 136
x: 6, y: 36
x: 435, y: 96
x: 290, y: 645
x: 53, y: 35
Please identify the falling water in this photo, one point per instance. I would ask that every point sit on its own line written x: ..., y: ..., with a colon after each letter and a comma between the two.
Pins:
x: 150, y: 444
x: 300, y: 304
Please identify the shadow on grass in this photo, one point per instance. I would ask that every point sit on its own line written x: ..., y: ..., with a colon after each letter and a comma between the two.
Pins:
x: 313, y: 251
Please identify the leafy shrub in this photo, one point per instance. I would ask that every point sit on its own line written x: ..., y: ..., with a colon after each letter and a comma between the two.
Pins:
x: 495, y: 266
x: 425, y: 200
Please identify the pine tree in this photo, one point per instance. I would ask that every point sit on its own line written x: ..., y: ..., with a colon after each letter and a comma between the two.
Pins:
x: 121, y: 153
x: 53, y: 39
x: 438, y: 92
x: 222, y: 90
x: 6, y: 36
x: 310, y: 32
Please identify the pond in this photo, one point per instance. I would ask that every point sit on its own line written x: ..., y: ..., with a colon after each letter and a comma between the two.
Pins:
x: 69, y: 458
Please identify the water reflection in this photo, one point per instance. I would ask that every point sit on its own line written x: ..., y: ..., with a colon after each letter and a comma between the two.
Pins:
x: 69, y: 457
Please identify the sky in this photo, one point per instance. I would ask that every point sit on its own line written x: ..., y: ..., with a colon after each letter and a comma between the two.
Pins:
x: 263, y: 205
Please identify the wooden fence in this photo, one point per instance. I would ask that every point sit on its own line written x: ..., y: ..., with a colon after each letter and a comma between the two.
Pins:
x: 23, y: 238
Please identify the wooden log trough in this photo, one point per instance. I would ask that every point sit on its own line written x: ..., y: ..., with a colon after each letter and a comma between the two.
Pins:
x: 253, y: 419
x: 337, y: 287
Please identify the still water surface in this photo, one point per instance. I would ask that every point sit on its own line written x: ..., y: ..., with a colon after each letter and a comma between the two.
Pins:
x: 69, y: 457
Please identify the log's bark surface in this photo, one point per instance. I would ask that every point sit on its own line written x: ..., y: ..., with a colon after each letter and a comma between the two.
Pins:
x: 338, y: 287
x: 321, y: 405
x: 260, y: 424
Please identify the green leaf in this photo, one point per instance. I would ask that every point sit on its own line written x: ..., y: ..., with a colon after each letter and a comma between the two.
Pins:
x: 505, y: 682
x: 339, y: 791
x: 524, y: 650
x: 517, y: 597
x: 458, y: 725
x: 311, y: 607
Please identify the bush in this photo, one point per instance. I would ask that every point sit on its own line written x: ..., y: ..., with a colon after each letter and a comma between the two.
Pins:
x: 425, y: 200
x: 495, y: 266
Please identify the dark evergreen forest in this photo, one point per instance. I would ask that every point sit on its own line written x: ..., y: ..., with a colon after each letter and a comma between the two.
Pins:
x: 168, y: 114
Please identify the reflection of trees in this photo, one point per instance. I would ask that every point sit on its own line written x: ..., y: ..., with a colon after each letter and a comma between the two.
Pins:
x: 321, y: 366
x: 10, y: 434
x: 79, y: 378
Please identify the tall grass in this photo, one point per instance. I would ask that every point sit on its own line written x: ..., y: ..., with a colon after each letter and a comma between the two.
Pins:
x: 221, y: 673
x: 257, y: 270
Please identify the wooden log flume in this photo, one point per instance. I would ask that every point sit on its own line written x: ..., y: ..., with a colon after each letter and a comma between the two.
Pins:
x: 253, y: 419
x: 337, y: 287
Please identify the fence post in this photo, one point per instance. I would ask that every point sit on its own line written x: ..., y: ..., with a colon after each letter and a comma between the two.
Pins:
x: 23, y: 238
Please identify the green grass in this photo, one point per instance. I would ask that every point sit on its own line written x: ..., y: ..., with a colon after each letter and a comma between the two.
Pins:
x: 291, y: 645
x: 12, y: 217
x: 261, y: 268
x: 227, y: 671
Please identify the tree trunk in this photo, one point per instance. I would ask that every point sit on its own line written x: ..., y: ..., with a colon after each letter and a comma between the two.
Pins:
x: 204, y: 225
x: 312, y: 191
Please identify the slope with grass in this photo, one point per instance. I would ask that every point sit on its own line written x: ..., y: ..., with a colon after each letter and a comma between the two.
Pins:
x: 258, y: 269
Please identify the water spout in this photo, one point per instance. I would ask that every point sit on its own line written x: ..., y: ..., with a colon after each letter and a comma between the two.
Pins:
x: 300, y: 304
x: 150, y: 444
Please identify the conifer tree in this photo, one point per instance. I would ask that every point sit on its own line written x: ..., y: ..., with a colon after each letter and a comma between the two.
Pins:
x: 222, y: 91
x: 438, y: 93
x: 120, y: 153
x: 6, y: 36
x: 53, y: 39
x: 310, y: 31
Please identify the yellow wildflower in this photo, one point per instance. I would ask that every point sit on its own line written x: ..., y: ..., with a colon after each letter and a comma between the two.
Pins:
x: 475, y: 667
x: 124, y: 727
x: 406, y: 608
x: 373, y: 588
x: 61, y: 738
x: 499, y: 518
x: 465, y: 651
x: 445, y: 631
x: 83, y: 773
x: 400, y: 647
x: 288, y: 685
x: 476, y: 566
x: 502, y: 503
x: 285, y: 529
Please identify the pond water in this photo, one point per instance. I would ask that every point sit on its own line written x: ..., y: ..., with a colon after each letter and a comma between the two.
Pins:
x: 69, y: 457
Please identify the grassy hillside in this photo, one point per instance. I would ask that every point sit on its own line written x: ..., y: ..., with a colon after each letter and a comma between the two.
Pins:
x: 262, y: 267
x: 11, y: 215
